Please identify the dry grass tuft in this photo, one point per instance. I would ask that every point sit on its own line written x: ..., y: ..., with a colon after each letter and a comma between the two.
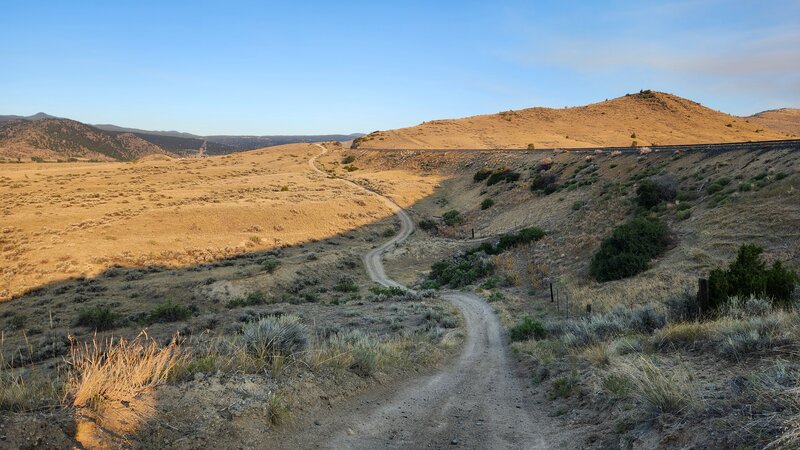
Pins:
x: 597, y: 354
x: 118, y: 370
x: 29, y: 391
x: 662, y: 391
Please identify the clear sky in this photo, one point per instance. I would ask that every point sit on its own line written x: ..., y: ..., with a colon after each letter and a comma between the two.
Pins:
x: 236, y: 67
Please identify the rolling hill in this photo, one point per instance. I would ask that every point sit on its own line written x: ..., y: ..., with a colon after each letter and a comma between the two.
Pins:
x: 642, y: 119
x: 52, y: 139
x: 785, y: 120
x: 64, y: 139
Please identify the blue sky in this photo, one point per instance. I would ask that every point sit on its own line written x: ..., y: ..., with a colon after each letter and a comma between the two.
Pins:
x: 237, y: 67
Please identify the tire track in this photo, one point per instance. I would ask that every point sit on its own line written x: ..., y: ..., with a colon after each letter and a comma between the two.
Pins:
x: 476, y: 402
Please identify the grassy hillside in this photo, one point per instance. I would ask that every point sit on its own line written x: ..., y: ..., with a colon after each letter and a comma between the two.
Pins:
x: 63, y: 139
x: 785, y: 120
x: 642, y: 369
x: 642, y: 119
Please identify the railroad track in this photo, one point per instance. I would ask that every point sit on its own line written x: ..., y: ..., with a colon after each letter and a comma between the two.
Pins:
x: 788, y: 144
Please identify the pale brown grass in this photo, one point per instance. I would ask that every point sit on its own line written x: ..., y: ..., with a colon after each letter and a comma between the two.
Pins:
x: 78, y: 219
x: 661, y: 119
x: 662, y: 391
x: 117, y: 371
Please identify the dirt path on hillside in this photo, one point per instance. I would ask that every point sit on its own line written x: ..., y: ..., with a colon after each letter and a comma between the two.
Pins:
x: 475, y: 403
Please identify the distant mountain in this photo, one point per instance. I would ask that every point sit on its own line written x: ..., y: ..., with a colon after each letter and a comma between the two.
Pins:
x: 37, y: 116
x: 109, y: 127
x: 64, y: 139
x: 639, y: 119
x: 223, y: 144
x: 51, y: 138
x: 251, y: 142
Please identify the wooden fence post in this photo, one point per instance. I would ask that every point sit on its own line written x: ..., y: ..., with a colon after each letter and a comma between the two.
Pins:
x: 558, y: 301
x: 702, y: 296
x: 473, y: 233
x: 589, y: 309
x: 552, y: 299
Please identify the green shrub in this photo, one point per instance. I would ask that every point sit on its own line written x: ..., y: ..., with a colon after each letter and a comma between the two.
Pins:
x: 495, y: 296
x: 620, y: 321
x: 481, y: 175
x: 523, y: 236
x: 427, y: 225
x: 564, y: 386
x: 348, y: 159
x: 461, y: 270
x: 487, y: 203
x: 100, y: 318
x: 389, y: 232
x: 651, y: 192
x: 490, y: 283
x: 17, y: 321
x: 270, y: 264
x: 365, y: 361
x: 169, y: 312
x: 275, y: 336
x: 545, y: 182
x: 388, y: 291
x: 718, y: 185
x: 749, y: 276
x: 578, y: 205
x: 629, y: 249
x: 507, y: 175
x: 509, y: 240
x: 473, y: 264
x: 252, y: 299
x: 346, y: 284
x: 452, y: 218
x: 526, y: 329
x: 647, y: 194
x: 429, y: 284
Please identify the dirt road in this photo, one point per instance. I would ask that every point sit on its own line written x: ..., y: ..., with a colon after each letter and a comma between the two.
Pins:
x: 475, y: 403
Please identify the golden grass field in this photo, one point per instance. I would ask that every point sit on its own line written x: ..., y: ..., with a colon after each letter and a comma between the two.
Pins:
x: 78, y: 219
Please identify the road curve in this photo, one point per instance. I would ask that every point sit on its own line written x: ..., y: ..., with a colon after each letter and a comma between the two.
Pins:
x: 476, y: 402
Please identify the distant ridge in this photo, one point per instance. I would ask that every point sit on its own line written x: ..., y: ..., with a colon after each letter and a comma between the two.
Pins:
x: 251, y: 142
x: 109, y: 127
x: 37, y: 116
x: 641, y: 119
x: 46, y: 137
x: 51, y: 139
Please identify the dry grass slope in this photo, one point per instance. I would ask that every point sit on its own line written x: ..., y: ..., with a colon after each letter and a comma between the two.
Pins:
x: 643, y: 119
x: 79, y: 219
